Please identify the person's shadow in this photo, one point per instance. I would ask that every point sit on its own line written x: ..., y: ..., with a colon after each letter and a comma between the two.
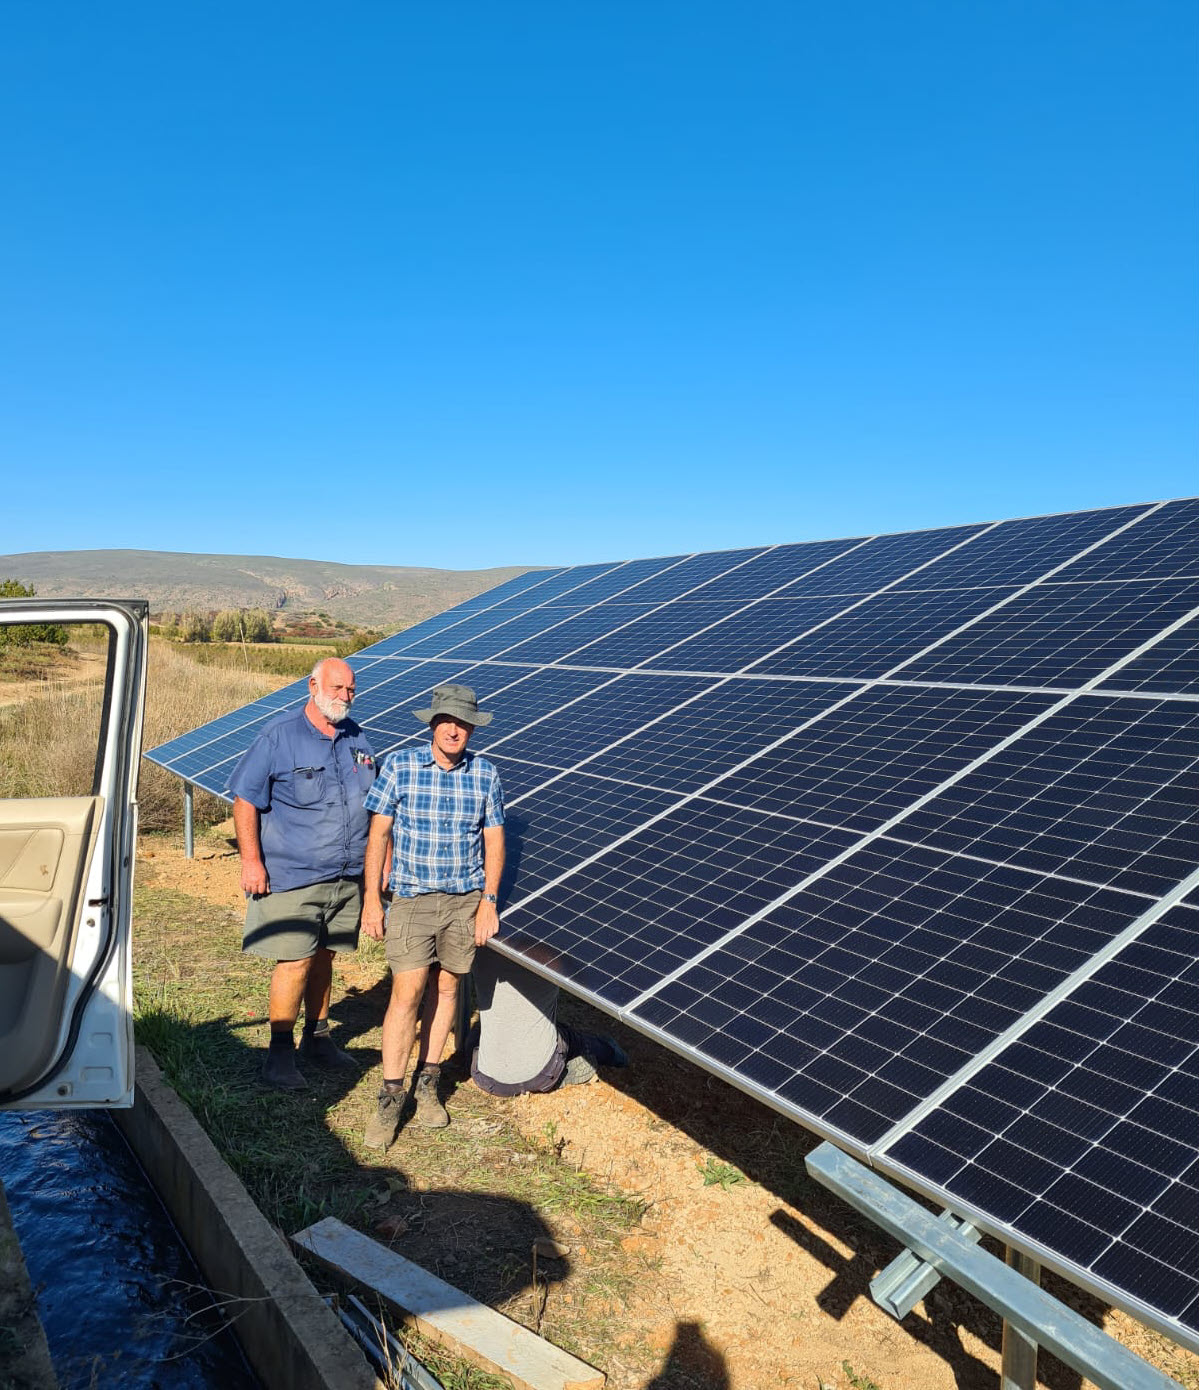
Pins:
x: 691, y: 1364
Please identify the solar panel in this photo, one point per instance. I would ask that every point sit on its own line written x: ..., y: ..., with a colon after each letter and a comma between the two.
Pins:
x: 895, y: 833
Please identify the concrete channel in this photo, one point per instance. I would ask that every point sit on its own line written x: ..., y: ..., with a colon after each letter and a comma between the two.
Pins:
x: 289, y: 1335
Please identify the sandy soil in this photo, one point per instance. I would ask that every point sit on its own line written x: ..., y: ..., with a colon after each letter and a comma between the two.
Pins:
x: 742, y: 1290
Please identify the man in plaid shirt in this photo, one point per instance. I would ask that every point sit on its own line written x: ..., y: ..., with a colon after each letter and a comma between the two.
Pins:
x: 442, y: 809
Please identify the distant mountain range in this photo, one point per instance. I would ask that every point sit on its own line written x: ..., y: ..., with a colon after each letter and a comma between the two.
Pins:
x: 379, y: 596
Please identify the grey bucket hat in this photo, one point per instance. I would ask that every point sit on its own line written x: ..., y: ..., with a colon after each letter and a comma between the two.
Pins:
x: 458, y: 701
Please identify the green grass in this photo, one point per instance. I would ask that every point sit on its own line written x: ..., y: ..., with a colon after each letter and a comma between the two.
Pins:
x: 718, y: 1174
x: 858, y: 1382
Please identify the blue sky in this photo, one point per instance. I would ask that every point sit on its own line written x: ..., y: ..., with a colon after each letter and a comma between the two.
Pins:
x: 469, y: 284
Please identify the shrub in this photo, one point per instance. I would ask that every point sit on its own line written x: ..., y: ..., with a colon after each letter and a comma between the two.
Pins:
x: 26, y: 634
x: 194, y: 627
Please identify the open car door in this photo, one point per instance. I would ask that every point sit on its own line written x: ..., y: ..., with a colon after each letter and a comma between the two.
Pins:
x: 72, y: 694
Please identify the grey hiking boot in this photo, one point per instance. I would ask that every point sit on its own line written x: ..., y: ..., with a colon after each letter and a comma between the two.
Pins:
x: 384, y: 1125
x: 279, y: 1070
x: 430, y: 1111
x: 321, y: 1049
x: 578, y: 1071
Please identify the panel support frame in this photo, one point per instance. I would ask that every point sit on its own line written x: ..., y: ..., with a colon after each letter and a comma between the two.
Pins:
x: 189, y: 820
x: 1034, y: 1316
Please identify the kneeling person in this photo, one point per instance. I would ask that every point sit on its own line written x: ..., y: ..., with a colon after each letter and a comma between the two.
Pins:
x: 522, y: 1046
x: 443, y: 809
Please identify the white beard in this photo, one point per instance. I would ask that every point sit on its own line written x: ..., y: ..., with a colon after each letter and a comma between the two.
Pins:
x: 333, y: 710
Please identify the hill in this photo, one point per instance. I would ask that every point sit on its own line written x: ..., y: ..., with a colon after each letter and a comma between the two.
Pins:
x: 380, y: 596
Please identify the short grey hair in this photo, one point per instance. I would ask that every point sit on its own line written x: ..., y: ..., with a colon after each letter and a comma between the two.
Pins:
x: 315, y: 673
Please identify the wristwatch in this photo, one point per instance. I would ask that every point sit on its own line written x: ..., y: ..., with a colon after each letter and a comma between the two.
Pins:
x: 489, y: 898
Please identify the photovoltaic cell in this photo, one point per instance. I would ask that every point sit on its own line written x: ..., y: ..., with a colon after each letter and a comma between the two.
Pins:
x: 620, y: 706
x: 559, y: 641
x: 1161, y: 546
x: 839, y: 822
x: 775, y: 568
x: 721, y: 728
x: 869, y: 758
x: 435, y: 641
x: 744, y: 638
x: 1082, y: 1135
x: 1057, y: 634
x: 1170, y: 666
x: 622, y: 577
x: 1018, y: 552
x: 561, y: 585
x: 622, y: 920
x: 519, y: 584
x: 866, y: 991
x: 1104, y: 790
x: 505, y: 640
x: 642, y: 640
x: 694, y: 572
x: 549, y: 831
x: 877, y: 634
x: 882, y: 560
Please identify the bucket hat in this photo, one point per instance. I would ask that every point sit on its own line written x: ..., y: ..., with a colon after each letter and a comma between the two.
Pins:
x: 458, y: 701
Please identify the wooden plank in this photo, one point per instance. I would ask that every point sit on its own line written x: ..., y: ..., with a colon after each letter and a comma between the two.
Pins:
x: 447, y: 1315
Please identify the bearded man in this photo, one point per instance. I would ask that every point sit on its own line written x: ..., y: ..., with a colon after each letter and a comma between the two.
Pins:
x: 302, y: 834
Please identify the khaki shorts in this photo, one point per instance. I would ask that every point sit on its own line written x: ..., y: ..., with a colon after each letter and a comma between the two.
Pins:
x: 432, y: 927
x: 293, y: 924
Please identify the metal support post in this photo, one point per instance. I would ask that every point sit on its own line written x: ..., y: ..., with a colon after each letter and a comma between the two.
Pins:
x: 189, y: 820
x: 1018, y: 1352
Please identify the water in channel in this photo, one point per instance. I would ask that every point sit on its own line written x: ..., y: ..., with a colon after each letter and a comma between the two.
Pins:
x: 120, y: 1299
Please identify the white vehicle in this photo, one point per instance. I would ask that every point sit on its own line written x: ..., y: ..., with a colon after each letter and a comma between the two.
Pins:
x: 66, y: 861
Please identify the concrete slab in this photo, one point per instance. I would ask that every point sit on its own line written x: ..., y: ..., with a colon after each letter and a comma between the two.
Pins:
x: 291, y: 1338
x: 24, y: 1355
x: 447, y: 1315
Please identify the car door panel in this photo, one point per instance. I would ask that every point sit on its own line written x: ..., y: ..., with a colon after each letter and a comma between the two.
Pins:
x: 45, y: 846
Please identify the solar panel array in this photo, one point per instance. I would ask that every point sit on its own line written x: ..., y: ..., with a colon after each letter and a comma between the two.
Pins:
x: 896, y: 833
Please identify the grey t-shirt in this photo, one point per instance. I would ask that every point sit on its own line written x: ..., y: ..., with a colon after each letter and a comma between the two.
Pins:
x: 517, y: 1011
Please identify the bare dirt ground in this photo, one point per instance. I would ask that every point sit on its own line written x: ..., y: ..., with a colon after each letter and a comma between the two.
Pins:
x: 742, y: 1288
x: 70, y: 669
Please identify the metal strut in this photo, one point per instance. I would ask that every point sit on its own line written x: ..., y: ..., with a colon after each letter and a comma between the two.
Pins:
x: 1032, y: 1318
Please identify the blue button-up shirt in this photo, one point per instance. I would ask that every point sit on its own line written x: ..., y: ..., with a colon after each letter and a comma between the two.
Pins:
x: 309, y: 791
x: 439, y: 815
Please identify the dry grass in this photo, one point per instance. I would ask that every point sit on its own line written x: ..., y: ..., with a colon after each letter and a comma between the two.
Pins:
x: 289, y: 661
x: 48, y: 738
x: 181, y: 695
x: 48, y: 741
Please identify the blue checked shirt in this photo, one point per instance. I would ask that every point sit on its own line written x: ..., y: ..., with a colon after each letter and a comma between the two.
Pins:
x: 438, y: 817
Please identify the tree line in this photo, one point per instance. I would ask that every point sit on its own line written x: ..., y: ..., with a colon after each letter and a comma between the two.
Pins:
x: 230, y: 625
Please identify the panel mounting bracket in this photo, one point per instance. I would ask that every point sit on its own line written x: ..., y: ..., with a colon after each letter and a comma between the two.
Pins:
x: 905, y: 1282
x: 1028, y: 1311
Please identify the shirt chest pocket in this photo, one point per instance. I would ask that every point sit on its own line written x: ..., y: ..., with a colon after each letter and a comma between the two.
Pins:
x: 303, y: 786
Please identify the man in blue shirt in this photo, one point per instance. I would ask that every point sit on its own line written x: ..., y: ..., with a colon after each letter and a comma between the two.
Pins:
x: 442, y: 809
x: 302, y: 833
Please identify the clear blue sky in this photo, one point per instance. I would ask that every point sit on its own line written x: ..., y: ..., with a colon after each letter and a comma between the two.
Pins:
x: 467, y: 284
